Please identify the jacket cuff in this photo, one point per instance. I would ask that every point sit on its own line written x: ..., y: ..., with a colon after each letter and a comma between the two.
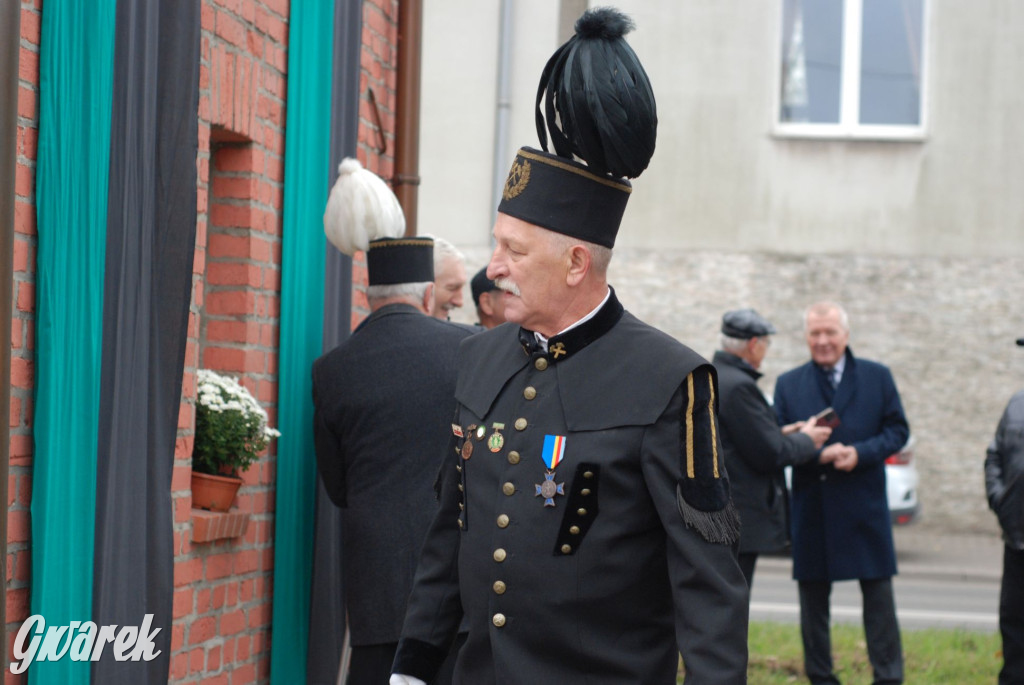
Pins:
x: 418, y: 659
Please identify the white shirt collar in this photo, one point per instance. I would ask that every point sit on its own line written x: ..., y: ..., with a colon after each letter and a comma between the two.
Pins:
x: 543, y: 342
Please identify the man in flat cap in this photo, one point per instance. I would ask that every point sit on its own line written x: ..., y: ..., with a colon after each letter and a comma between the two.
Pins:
x: 489, y: 300
x: 756, y: 450
x: 1004, y: 486
x: 382, y: 407
x: 841, y: 524
x: 585, y: 527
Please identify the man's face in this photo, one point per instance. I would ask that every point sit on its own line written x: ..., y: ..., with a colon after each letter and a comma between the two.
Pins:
x: 492, y: 308
x: 448, y: 284
x: 532, y: 272
x: 826, y: 337
x: 757, y: 349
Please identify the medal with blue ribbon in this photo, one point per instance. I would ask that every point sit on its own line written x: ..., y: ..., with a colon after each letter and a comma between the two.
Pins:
x: 554, y: 450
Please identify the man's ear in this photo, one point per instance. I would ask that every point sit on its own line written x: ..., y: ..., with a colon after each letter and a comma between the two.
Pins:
x: 428, y: 300
x: 485, y: 304
x: 579, y: 265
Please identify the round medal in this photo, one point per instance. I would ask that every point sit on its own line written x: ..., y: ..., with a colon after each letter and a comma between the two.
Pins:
x: 496, y: 441
x: 467, y: 449
x: 548, y: 488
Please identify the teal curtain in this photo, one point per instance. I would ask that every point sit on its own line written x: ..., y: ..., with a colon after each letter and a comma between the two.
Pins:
x: 306, y: 177
x: 75, y: 90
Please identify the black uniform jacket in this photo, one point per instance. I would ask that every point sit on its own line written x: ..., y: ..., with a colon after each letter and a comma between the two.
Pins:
x: 594, y: 569
x: 756, y: 451
x: 382, y: 407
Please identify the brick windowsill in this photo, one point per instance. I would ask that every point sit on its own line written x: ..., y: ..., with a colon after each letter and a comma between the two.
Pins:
x: 208, y: 526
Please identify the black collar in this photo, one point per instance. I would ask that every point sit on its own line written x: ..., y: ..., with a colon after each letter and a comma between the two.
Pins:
x: 564, y: 345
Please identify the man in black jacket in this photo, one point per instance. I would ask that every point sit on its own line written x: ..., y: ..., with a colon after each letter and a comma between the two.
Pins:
x: 585, y: 528
x: 382, y: 406
x: 756, y: 451
x: 1004, y: 485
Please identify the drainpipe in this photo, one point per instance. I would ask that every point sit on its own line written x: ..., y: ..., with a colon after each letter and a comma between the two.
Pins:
x: 407, y: 117
x: 503, y: 106
x: 10, y: 40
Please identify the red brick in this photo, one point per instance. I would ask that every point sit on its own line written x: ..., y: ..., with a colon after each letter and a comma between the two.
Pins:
x: 232, y: 331
x: 234, y: 158
x: 18, y: 526
x: 16, y: 334
x: 179, y: 667
x: 30, y: 29
x: 229, y: 216
x: 234, y: 273
x: 218, y: 566
x: 21, y: 446
x: 201, y: 630
x: 26, y: 107
x: 24, y: 217
x: 231, y: 303
x: 182, y: 602
x: 213, y: 658
x: 187, y: 572
x: 235, y: 187
x: 196, y: 658
x: 230, y: 29
x: 17, y: 605
x: 22, y: 372
x: 243, y: 674
x: 20, y: 261
x: 232, y: 623
x: 247, y: 561
x: 26, y: 296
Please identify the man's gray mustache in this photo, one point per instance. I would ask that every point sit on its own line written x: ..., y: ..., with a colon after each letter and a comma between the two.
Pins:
x: 507, y: 285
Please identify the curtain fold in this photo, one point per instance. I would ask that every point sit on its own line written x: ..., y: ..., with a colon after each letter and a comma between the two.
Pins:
x: 306, y: 167
x: 75, y: 89
x: 151, y: 229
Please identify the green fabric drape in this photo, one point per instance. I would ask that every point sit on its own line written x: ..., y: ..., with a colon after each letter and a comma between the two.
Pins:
x: 75, y: 85
x: 306, y: 174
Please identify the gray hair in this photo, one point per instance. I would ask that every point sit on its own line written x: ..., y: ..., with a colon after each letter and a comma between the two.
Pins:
x: 823, y: 308
x: 600, y: 256
x: 443, y: 251
x: 405, y: 290
x: 734, y: 345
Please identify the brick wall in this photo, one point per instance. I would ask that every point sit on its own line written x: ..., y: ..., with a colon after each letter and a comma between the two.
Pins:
x: 222, y: 596
x: 19, y: 481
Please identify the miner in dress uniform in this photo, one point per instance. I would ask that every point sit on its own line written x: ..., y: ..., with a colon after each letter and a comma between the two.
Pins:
x: 585, y: 528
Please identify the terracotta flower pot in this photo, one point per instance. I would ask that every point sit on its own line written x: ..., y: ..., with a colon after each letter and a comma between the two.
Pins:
x: 214, y: 493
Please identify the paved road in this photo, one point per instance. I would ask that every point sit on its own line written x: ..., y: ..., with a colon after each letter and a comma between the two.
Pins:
x: 944, y: 581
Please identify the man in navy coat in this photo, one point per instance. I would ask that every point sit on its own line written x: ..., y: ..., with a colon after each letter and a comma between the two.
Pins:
x: 841, y: 524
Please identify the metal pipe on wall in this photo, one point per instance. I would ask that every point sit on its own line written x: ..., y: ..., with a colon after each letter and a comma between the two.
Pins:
x: 10, y: 40
x: 503, y: 105
x: 407, y: 117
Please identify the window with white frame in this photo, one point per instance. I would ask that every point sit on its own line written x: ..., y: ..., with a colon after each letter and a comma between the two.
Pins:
x: 852, y: 68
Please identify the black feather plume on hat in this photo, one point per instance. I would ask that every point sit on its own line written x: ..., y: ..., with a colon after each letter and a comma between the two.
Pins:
x: 598, y: 102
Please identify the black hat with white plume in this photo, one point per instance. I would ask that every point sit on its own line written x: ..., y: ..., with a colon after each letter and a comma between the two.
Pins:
x: 596, y: 102
x: 363, y: 214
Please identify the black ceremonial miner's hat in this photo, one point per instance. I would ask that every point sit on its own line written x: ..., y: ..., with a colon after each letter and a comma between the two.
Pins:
x: 600, y: 112
x: 400, y: 260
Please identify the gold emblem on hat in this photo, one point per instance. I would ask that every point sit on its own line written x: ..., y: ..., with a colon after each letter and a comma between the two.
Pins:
x: 518, y: 177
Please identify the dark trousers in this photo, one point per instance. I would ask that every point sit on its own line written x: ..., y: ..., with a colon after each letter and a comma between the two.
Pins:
x: 371, y: 664
x: 748, y: 561
x: 1011, y: 617
x: 880, y: 629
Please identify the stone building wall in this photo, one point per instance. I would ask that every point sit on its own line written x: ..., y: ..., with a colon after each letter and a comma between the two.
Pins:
x: 945, y: 326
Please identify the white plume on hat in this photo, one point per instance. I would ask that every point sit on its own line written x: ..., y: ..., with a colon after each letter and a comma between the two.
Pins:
x: 361, y: 208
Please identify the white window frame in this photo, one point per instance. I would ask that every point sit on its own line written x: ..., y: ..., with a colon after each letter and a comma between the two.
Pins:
x: 848, y: 127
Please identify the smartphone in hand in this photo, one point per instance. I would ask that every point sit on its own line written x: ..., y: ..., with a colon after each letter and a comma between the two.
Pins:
x: 827, y: 417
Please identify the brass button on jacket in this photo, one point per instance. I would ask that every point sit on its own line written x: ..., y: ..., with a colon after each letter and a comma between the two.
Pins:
x: 503, y: 521
x: 541, y: 364
x: 499, y: 587
x: 513, y: 457
x: 520, y: 424
x: 566, y: 549
x: 498, y: 620
x: 509, y: 489
x: 530, y: 392
x: 499, y: 555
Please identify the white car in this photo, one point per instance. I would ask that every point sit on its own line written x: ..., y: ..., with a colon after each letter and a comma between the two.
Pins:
x: 901, y: 482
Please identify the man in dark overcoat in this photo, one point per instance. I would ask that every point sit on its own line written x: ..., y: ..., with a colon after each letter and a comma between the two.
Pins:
x: 1004, y: 488
x: 756, y: 450
x: 382, y: 410
x: 585, y: 527
x: 841, y: 522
